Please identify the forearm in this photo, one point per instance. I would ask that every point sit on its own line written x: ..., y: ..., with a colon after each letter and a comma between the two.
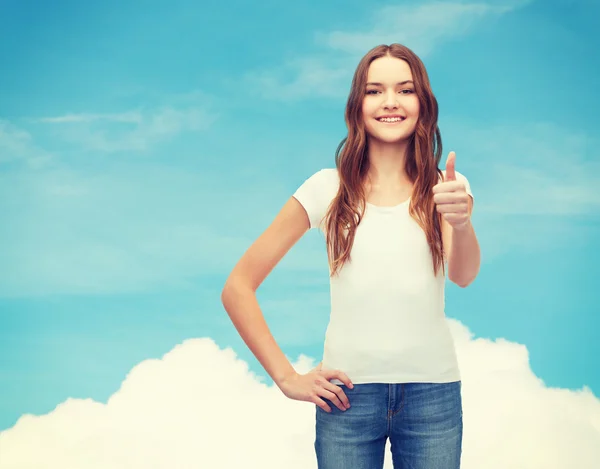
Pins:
x: 465, y: 258
x: 242, y: 307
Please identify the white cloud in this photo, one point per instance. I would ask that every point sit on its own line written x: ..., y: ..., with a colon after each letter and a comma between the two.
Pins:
x: 132, y: 117
x: 17, y: 146
x: 199, y: 406
x: 128, y: 131
x: 421, y: 27
x: 303, y: 77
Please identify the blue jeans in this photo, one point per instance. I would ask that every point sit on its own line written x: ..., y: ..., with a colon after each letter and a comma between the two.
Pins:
x: 422, y: 420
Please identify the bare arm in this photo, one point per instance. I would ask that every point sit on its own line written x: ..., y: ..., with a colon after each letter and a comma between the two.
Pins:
x: 239, y: 293
x: 464, y: 255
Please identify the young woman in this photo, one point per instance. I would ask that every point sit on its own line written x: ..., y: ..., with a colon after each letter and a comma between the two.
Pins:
x: 394, y: 225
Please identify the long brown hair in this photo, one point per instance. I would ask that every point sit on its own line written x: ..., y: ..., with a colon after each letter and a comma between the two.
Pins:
x: 351, y: 157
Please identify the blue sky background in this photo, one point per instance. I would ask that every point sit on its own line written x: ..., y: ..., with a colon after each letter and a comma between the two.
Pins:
x: 145, y: 145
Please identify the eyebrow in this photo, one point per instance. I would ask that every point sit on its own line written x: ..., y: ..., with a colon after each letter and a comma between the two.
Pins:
x: 401, y: 83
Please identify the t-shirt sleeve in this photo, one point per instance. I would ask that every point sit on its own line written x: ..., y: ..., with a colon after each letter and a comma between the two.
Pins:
x: 463, y: 179
x: 313, y: 196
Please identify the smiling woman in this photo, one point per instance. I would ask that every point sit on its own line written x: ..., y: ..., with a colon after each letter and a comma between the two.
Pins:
x: 390, y: 69
x: 392, y: 220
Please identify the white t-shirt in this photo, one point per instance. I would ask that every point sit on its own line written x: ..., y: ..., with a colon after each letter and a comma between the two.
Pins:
x: 387, y: 322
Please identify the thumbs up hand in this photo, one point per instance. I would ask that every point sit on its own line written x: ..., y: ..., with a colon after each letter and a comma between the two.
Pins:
x: 451, y: 198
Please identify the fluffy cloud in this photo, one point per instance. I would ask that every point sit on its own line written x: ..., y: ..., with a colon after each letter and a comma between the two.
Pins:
x: 422, y: 27
x: 199, y: 406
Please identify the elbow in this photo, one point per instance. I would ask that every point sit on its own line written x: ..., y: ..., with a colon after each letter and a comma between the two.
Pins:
x: 230, y: 290
x: 226, y: 293
x: 463, y: 277
x: 461, y: 282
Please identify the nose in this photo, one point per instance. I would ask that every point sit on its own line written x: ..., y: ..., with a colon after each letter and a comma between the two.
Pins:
x: 390, y: 100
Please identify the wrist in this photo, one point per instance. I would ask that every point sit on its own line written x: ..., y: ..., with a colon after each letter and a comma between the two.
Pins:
x: 462, y: 228
x: 284, y: 378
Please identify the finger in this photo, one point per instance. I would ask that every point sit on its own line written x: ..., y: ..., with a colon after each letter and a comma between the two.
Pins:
x: 449, y: 186
x: 333, y: 398
x: 321, y: 403
x: 339, y: 393
x: 344, y: 379
x: 452, y: 208
x: 449, y: 198
x: 450, y: 167
x: 329, y: 374
x: 456, y: 219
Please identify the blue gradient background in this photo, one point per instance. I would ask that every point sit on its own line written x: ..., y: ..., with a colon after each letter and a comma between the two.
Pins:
x: 191, y: 125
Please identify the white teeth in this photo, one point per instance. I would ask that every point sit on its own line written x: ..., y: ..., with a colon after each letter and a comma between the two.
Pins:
x: 392, y: 119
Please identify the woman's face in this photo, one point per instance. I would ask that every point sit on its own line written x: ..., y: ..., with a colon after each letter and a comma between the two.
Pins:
x: 390, y: 92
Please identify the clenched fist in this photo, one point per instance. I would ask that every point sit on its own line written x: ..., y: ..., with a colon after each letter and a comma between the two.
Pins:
x: 451, y: 198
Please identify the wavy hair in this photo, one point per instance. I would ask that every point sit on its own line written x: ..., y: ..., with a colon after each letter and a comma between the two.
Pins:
x: 351, y: 157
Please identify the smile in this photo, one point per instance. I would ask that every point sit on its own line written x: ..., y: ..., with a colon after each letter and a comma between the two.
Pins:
x: 391, y: 120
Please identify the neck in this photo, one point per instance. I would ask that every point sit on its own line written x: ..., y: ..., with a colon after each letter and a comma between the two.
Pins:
x: 386, y: 163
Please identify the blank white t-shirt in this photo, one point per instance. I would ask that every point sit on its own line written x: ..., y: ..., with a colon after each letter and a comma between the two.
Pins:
x: 387, y: 322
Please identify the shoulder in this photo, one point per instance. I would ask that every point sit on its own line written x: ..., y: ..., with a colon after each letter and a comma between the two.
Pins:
x: 328, y: 175
x: 323, y: 181
x: 316, y: 192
